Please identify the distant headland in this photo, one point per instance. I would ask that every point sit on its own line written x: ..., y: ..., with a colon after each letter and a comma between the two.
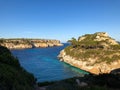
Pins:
x: 21, y: 43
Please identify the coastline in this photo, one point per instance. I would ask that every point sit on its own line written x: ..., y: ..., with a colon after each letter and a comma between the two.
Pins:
x: 95, y: 53
x: 29, y: 43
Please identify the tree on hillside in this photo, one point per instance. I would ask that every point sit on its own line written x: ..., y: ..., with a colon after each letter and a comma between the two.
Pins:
x: 74, y: 42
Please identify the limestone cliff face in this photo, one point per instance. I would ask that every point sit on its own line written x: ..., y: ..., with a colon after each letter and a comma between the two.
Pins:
x: 97, y: 68
x: 28, y: 43
x: 96, y: 53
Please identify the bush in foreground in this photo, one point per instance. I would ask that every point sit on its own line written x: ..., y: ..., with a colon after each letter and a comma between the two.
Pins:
x: 12, y: 75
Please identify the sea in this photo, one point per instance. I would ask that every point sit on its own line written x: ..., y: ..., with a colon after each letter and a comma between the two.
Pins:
x: 44, y: 64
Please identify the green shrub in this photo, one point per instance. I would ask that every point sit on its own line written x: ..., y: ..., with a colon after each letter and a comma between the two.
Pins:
x: 88, y: 48
x: 12, y: 75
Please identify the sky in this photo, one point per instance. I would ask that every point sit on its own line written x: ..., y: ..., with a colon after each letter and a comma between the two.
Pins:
x: 58, y: 19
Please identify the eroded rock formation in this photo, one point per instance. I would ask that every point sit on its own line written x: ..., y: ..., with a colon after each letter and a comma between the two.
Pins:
x: 28, y: 43
x: 96, y: 53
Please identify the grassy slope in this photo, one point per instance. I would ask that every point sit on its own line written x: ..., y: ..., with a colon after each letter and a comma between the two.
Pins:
x: 95, y: 82
x: 88, y: 48
x: 12, y: 75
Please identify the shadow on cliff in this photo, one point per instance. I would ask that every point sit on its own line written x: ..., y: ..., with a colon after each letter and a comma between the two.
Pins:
x: 109, y: 81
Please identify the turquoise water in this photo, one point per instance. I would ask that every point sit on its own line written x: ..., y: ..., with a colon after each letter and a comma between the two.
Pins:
x: 44, y: 64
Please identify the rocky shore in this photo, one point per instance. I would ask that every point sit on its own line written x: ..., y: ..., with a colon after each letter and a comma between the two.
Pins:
x: 96, y: 53
x: 98, y: 68
x: 28, y: 43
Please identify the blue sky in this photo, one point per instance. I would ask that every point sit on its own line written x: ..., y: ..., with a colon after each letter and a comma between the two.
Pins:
x: 58, y: 19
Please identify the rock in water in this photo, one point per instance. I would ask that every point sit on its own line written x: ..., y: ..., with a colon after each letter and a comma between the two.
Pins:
x: 96, y: 53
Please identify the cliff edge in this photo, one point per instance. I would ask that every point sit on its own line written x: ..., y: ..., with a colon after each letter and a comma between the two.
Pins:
x: 96, y: 53
x: 28, y: 43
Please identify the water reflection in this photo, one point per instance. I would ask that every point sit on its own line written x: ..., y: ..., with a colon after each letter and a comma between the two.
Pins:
x: 74, y: 69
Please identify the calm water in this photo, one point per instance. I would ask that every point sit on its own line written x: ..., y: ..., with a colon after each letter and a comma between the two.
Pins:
x: 45, y: 66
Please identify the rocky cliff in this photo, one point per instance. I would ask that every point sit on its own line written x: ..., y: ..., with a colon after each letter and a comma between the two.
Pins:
x: 28, y: 43
x: 96, y: 53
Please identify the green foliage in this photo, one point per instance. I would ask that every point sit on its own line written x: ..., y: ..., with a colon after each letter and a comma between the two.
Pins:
x: 12, y: 75
x: 46, y: 83
x: 95, y: 82
x: 73, y: 42
x: 115, y: 47
x: 1, y: 40
x: 89, y: 48
x: 66, y: 87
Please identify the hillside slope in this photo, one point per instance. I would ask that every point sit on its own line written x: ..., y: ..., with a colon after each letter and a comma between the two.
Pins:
x: 12, y: 75
x: 96, y: 53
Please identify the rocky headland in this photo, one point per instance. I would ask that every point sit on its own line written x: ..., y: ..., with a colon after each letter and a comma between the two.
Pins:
x: 96, y: 53
x: 28, y: 43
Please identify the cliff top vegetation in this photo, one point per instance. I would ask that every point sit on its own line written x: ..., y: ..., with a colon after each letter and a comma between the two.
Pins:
x: 12, y: 75
x: 97, y: 46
